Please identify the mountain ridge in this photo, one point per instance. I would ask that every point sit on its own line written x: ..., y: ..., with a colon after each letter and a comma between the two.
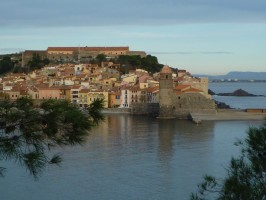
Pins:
x: 237, y: 75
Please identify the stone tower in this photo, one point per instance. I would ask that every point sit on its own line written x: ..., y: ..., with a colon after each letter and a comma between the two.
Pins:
x: 166, y: 93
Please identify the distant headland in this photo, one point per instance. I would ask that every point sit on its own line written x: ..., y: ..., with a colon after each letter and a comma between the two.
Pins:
x: 237, y: 76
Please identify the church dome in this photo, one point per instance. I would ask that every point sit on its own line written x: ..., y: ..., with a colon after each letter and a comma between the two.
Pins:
x: 166, y: 69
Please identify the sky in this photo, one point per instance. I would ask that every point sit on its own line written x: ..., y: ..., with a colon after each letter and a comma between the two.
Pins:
x: 201, y: 36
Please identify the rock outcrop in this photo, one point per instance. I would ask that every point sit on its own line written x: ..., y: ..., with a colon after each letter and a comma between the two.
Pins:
x: 239, y: 93
x: 222, y: 105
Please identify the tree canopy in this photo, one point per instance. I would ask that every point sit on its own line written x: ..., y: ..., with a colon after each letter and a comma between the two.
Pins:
x: 148, y: 63
x: 246, y: 175
x: 6, y: 65
x: 100, y: 58
x: 27, y: 133
x: 37, y: 63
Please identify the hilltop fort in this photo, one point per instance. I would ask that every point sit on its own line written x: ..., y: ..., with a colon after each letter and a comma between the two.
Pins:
x: 77, y: 54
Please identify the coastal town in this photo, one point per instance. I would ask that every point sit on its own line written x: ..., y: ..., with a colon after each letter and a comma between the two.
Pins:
x: 80, y: 81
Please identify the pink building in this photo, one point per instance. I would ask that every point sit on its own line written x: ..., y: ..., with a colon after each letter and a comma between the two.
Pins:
x: 46, y: 92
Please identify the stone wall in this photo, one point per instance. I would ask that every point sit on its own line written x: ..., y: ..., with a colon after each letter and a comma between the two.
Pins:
x: 116, y: 111
x: 188, y: 103
x: 145, y: 109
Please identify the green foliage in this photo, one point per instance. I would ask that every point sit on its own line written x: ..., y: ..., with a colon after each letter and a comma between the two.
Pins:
x: 37, y: 63
x: 100, y: 58
x: 246, y: 175
x: 28, y: 133
x: 94, y: 113
x: 6, y: 65
x: 18, y: 69
x: 148, y: 63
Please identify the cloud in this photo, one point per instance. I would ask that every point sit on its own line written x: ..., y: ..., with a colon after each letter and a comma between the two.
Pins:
x: 127, y: 12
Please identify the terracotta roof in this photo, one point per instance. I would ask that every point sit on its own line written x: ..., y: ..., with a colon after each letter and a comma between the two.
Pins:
x: 62, y: 49
x: 55, y: 87
x: 84, y: 91
x: 75, y: 86
x: 88, y: 48
x: 193, y: 90
x: 182, y: 87
x: 64, y: 87
x: 104, y: 48
x: 152, y: 89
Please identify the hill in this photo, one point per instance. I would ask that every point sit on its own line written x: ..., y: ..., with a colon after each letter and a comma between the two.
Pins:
x: 237, y: 75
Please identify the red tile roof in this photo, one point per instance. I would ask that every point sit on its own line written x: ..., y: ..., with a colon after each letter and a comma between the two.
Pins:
x: 88, y: 48
x: 193, y: 90
x: 182, y: 87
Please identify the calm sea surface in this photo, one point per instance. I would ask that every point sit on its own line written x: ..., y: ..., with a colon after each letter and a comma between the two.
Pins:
x: 132, y: 157
x: 241, y: 102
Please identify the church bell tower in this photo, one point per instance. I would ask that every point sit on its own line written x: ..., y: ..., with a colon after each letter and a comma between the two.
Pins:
x: 166, y: 109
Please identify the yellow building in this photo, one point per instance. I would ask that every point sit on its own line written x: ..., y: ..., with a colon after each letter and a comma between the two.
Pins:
x: 65, y: 92
x: 99, y: 94
x: 83, y: 98
x: 86, y: 97
x: 114, y: 99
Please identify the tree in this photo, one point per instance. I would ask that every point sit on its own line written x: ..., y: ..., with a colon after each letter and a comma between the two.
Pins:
x: 37, y: 63
x: 246, y: 175
x: 130, y: 62
x: 27, y: 133
x: 101, y: 58
x: 6, y: 65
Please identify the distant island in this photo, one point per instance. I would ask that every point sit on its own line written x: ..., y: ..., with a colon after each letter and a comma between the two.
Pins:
x: 236, y: 76
x: 236, y: 93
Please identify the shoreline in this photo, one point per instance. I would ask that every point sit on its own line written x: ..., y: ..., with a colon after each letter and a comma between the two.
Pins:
x: 220, y: 115
x: 229, y: 115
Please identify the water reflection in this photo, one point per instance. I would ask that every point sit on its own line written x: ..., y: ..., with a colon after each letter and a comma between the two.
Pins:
x: 176, y: 137
x: 132, y: 157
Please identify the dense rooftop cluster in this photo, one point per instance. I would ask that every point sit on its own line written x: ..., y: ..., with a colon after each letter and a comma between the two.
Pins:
x: 81, y: 84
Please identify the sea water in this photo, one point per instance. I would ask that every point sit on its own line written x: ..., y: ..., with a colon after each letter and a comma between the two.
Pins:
x: 132, y: 157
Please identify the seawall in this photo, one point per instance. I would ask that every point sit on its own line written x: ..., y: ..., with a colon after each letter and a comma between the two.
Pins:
x: 229, y: 114
x: 220, y: 115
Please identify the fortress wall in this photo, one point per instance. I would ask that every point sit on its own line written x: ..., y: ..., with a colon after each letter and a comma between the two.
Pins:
x: 145, y: 109
x: 192, y: 103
